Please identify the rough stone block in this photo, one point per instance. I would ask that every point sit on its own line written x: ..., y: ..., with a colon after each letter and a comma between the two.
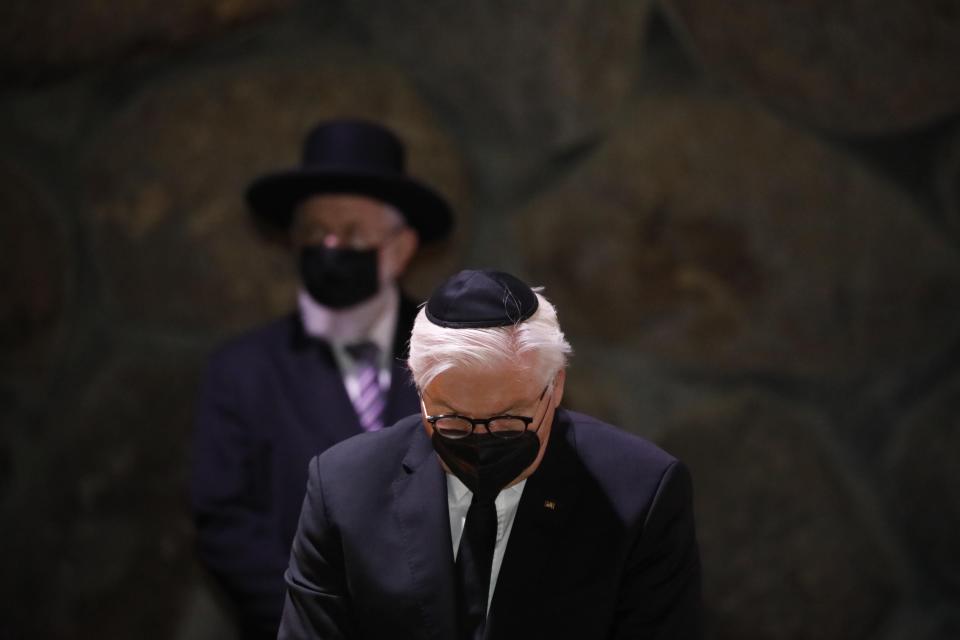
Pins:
x: 520, y: 81
x: 786, y: 553
x: 712, y: 235
x: 164, y: 181
x: 948, y: 185
x: 39, y: 39
x: 35, y: 275
x: 852, y: 66
x: 925, y: 485
x: 97, y: 535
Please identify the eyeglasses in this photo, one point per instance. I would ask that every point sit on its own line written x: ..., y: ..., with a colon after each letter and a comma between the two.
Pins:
x: 506, y: 427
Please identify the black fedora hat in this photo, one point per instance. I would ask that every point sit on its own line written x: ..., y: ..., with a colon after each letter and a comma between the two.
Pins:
x: 357, y: 157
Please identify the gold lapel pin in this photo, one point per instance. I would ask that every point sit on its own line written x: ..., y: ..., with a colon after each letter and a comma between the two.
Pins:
x: 550, y: 504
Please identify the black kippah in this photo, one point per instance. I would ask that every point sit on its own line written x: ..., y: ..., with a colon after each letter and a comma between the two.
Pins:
x: 474, y: 299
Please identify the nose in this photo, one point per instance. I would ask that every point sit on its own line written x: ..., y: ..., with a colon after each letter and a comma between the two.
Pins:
x: 331, y: 240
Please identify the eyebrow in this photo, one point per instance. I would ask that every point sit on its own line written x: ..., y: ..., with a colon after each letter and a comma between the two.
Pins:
x: 452, y: 410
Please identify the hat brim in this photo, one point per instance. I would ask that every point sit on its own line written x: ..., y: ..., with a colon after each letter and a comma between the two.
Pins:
x: 273, y: 197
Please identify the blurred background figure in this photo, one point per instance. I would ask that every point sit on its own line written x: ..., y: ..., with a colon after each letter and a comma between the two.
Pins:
x: 276, y: 396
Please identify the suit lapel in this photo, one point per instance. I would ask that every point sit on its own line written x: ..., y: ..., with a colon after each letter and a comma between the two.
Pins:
x: 420, y: 505
x: 549, y: 499
x: 318, y: 389
x: 316, y: 384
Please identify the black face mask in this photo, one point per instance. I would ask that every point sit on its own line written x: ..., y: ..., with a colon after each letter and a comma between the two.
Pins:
x: 339, y: 278
x: 485, y: 463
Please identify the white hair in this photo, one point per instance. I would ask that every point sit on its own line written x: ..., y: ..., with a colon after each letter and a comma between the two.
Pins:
x: 435, y: 349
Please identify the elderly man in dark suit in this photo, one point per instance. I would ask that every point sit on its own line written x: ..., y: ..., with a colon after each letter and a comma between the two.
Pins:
x: 275, y: 397
x: 493, y: 512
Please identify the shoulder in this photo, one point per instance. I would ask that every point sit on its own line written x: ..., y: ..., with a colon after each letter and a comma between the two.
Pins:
x: 616, y: 456
x: 256, y: 344
x: 373, y: 453
x: 280, y: 331
x: 593, y: 436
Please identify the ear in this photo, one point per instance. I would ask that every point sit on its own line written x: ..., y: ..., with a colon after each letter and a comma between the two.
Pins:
x: 399, y: 252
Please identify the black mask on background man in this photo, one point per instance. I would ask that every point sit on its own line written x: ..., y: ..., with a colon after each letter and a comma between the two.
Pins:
x: 486, y: 463
x: 339, y: 277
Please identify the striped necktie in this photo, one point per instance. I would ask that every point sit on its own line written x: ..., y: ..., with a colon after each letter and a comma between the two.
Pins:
x: 370, y: 400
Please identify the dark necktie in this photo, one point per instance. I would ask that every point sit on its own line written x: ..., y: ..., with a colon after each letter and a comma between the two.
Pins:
x: 371, y: 400
x: 474, y: 562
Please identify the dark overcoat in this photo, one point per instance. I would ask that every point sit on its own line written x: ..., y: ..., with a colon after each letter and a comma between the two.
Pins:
x: 270, y: 401
x: 602, y: 545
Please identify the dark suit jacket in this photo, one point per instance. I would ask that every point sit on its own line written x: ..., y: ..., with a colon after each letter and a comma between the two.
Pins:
x: 602, y: 546
x: 270, y: 401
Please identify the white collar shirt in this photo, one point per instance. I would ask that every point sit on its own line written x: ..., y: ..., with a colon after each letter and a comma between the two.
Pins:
x: 374, y: 321
x: 507, y: 501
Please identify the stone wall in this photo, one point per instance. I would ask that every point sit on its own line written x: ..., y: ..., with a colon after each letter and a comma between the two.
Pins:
x: 746, y: 212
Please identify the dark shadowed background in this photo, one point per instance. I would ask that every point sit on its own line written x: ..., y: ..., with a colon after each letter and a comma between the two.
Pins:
x: 748, y: 214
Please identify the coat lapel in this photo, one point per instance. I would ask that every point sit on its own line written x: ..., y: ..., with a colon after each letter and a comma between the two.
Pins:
x: 420, y: 505
x: 317, y: 384
x: 317, y: 387
x: 549, y: 498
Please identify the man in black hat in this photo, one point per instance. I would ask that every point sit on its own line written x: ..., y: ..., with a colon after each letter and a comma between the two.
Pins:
x: 493, y: 513
x: 273, y: 398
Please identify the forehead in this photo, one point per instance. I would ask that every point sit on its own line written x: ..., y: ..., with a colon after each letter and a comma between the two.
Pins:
x: 331, y: 209
x: 482, y: 391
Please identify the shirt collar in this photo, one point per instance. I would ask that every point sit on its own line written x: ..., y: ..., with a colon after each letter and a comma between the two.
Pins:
x: 458, y: 492
x: 373, y: 319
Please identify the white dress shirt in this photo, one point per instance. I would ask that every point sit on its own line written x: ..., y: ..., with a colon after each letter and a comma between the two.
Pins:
x: 458, y: 502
